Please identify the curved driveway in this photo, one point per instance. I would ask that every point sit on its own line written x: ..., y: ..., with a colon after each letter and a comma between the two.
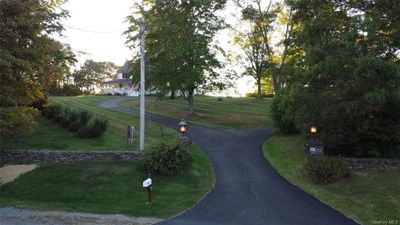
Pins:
x: 248, y: 190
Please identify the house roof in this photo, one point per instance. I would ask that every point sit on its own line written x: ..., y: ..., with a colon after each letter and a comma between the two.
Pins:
x: 119, y: 81
x: 125, y: 68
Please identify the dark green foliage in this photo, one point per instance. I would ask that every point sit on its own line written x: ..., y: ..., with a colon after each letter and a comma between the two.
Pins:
x: 95, y: 128
x: 69, y: 116
x: 349, y: 74
x: 40, y: 103
x: 167, y: 159
x: 65, y: 90
x: 84, y: 117
x: 59, y: 114
x: 74, y: 126
x: 77, y: 121
x: 179, y: 45
x: 283, y: 109
x: 30, y: 58
x: 53, y: 110
x: 326, y: 170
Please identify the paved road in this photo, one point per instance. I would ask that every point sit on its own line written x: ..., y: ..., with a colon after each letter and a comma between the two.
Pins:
x: 247, y: 190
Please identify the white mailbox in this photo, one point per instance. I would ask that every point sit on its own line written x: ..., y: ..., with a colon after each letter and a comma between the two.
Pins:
x: 147, y: 183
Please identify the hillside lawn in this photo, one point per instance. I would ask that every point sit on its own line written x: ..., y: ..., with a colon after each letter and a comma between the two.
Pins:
x: 366, y: 196
x: 49, y: 135
x: 108, y: 187
x: 228, y: 113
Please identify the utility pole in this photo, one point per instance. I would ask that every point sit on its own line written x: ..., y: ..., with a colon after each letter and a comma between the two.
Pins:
x: 142, y: 90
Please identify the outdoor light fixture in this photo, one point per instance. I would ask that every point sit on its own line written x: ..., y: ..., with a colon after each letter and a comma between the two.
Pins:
x: 313, y: 146
x: 183, y: 126
x: 313, y: 129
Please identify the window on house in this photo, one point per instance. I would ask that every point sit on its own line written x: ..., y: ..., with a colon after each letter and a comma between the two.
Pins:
x: 120, y: 85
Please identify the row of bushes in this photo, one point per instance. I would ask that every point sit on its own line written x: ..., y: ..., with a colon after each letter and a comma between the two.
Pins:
x: 80, y: 121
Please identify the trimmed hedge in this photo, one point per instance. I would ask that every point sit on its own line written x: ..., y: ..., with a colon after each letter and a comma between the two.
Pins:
x: 80, y: 121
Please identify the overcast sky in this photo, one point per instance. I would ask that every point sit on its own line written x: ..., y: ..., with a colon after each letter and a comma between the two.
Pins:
x: 96, y: 26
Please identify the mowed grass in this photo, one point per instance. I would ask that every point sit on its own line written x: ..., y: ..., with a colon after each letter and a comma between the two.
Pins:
x: 367, y: 196
x: 230, y: 112
x: 108, y: 188
x: 50, y: 135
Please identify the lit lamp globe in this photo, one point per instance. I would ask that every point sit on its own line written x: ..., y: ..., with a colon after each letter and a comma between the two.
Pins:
x: 313, y: 130
x: 183, y: 126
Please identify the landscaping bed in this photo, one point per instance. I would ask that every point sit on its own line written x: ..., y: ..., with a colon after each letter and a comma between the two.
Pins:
x: 368, y: 196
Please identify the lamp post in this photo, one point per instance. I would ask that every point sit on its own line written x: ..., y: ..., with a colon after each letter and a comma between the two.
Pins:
x: 313, y: 146
x: 183, y: 128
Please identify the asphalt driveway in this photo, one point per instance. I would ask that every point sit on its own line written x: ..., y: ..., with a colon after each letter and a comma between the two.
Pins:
x: 248, y: 190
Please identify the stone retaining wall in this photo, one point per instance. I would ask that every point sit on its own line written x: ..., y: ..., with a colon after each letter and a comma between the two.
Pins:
x: 373, y: 163
x: 66, y: 156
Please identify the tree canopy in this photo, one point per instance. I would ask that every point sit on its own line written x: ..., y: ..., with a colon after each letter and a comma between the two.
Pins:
x: 30, y: 59
x: 348, y: 77
x: 180, y: 53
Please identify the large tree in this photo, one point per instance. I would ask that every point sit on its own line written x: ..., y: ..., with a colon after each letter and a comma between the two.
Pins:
x: 92, y: 74
x: 27, y: 54
x: 350, y: 77
x: 179, y: 47
x: 266, y: 40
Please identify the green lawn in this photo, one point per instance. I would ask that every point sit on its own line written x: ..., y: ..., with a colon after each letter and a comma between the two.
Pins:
x: 102, y: 187
x: 231, y: 112
x: 365, y: 196
x: 50, y: 135
x: 108, y: 188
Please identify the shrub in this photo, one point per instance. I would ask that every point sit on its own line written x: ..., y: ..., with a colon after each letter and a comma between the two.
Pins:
x: 49, y: 111
x: 95, y: 128
x: 167, y: 159
x: 74, y: 126
x: 17, y: 120
x: 52, y: 110
x: 65, y: 117
x: 58, y: 114
x: 326, y: 170
x: 283, y: 111
x: 84, y: 117
x: 85, y: 132
x: 69, y: 116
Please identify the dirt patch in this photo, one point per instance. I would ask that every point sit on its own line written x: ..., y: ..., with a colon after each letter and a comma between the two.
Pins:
x: 9, y: 173
x: 34, y: 217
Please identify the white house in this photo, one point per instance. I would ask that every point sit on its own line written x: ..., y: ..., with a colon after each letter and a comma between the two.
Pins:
x: 123, y: 85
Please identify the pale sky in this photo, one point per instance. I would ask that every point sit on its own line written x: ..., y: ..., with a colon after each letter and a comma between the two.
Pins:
x: 96, y: 26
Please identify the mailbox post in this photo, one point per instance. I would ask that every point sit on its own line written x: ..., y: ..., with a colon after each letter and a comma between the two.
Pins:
x: 147, y: 184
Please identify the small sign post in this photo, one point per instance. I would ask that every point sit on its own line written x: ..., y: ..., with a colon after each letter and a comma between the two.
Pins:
x: 131, y: 130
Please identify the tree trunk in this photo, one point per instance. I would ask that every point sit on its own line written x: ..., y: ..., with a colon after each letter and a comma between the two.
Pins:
x: 277, y: 84
x: 172, y: 96
x: 259, y: 95
x: 190, y: 101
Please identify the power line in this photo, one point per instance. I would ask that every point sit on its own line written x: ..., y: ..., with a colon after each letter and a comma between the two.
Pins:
x: 92, y: 31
